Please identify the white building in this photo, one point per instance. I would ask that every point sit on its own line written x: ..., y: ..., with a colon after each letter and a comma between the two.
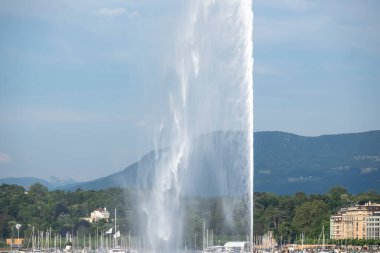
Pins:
x: 99, y: 214
x: 236, y: 246
x: 373, y: 226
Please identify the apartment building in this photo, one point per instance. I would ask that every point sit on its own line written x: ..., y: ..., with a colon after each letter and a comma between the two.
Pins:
x: 351, y: 222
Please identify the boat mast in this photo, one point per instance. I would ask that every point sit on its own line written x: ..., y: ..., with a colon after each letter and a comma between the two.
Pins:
x: 115, y: 231
x: 323, y: 237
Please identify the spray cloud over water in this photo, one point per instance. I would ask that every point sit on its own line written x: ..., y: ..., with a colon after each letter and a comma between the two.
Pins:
x: 204, y: 142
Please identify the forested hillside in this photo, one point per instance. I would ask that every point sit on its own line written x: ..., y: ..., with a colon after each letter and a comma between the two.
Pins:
x: 287, y: 215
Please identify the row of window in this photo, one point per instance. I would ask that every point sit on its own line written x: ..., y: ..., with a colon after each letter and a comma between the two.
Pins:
x: 373, y: 224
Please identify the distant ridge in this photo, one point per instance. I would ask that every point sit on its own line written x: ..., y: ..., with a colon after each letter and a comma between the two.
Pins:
x: 25, y: 181
x: 285, y: 163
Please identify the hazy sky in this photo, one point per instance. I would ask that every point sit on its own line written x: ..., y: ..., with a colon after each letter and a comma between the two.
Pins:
x: 79, y: 98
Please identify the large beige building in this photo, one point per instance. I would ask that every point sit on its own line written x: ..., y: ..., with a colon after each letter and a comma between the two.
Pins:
x: 351, y: 222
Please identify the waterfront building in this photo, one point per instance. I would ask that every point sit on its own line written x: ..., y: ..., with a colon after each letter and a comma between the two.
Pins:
x: 373, y: 226
x: 351, y: 222
x: 99, y: 214
x: 15, y: 242
x: 236, y: 246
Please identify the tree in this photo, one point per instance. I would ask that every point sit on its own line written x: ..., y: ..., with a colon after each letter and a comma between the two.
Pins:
x: 309, y: 217
x: 365, y: 197
x: 38, y: 192
x: 338, y: 197
x: 285, y: 232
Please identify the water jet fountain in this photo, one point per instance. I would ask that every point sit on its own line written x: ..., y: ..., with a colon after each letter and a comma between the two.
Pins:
x: 201, y: 175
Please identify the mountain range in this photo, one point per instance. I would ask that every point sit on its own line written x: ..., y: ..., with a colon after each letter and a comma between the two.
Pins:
x: 284, y: 163
x: 25, y: 182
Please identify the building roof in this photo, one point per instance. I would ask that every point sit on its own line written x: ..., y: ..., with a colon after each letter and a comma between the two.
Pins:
x: 101, y: 209
x: 235, y: 244
x: 368, y: 207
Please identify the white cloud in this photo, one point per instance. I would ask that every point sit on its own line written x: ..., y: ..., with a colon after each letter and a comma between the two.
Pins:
x: 133, y: 14
x: 116, y: 12
x: 5, y: 158
x: 111, y: 12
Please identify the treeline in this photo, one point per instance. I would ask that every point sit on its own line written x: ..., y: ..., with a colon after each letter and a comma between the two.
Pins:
x: 291, y: 216
x: 287, y: 216
x: 61, y: 211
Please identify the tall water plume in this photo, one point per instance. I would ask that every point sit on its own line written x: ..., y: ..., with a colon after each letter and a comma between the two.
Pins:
x: 204, y: 143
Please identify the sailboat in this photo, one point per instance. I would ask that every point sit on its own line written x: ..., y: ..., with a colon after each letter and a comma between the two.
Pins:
x: 323, y: 241
x: 116, y: 248
x: 69, y: 244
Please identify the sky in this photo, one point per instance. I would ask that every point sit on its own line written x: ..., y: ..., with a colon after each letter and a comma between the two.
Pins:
x: 79, y: 96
